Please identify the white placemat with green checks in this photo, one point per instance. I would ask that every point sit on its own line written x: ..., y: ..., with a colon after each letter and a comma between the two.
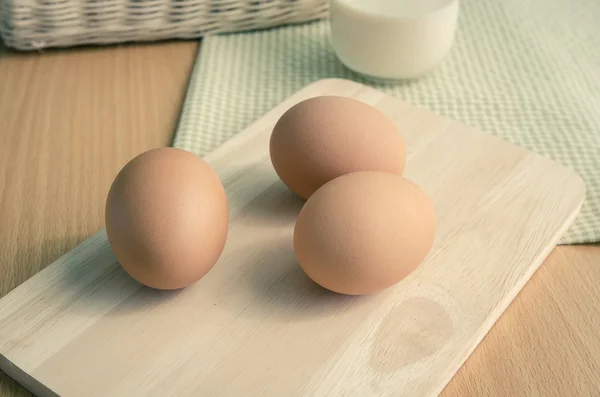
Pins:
x: 527, y: 71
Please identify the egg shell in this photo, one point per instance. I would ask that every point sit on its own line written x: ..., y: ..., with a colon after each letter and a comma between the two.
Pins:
x: 167, y: 218
x: 324, y: 137
x: 364, y: 232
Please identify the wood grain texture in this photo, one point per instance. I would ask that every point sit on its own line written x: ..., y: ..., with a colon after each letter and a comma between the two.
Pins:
x: 69, y: 120
x: 546, y: 343
x: 255, y: 324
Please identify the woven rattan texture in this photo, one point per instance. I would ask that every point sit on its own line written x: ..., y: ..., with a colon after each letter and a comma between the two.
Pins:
x: 37, y: 24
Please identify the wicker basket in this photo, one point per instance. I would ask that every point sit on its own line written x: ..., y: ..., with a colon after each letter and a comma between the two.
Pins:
x: 37, y: 24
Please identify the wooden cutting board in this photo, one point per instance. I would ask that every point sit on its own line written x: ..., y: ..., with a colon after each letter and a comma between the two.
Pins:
x: 256, y: 325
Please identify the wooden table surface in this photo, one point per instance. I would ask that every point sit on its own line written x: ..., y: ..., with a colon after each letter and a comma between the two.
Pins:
x: 70, y: 119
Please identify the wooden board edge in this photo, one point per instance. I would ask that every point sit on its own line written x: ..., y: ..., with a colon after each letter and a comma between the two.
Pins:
x: 81, y: 247
x: 512, y: 294
x: 24, y: 379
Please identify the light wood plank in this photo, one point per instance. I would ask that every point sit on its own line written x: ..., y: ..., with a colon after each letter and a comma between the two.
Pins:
x: 255, y: 324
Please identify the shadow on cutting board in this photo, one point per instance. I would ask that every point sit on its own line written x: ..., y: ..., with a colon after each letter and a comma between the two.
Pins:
x: 259, y: 198
x: 276, y: 206
x: 272, y: 285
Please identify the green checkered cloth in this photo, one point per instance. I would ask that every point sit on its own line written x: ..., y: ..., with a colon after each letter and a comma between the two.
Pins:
x: 527, y: 71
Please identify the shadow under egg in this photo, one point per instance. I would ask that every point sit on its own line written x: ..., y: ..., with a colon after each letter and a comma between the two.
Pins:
x: 277, y: 206
x: 271, y: 286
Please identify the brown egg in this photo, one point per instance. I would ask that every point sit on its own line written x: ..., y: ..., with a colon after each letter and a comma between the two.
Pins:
x: 167, y: 218
x: 364, y: 232
x: 322, y: 138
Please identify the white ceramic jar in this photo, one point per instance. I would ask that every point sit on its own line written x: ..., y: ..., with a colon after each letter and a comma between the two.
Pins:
x: 393, y: 39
